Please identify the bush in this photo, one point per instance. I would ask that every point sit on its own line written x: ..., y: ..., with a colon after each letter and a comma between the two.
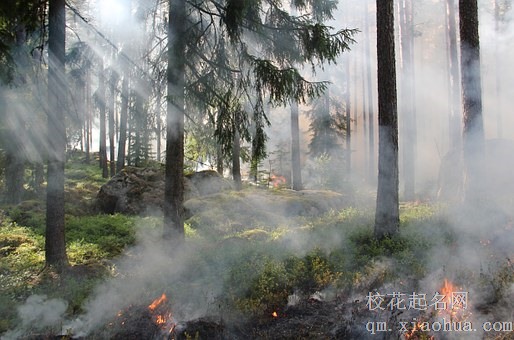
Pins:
x: 111, y: 233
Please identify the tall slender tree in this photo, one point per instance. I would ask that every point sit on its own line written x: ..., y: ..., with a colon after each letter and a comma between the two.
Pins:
x: 455, y: 135
x: 174, y: 173
x: 236, y: 150
x: 296, y: 168
x: 100, y: 97
x: 55, y: 244
x: 113, y: 80
x: 408, y: 107
x: 348, y: 118
x: 370, y: 111
x: 122, y: 140
x: 473, y: 128
x: 387, y: 217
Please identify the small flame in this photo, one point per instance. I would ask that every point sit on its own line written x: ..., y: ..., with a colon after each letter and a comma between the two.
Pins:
x: 162, y: 316
x: 456, y: 311
x: 416, y: 332
x: 274, y: 314
x: 157, y: 302
x: 277, y: 180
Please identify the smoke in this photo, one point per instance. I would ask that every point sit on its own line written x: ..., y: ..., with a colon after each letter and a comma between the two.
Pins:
x: 38, y: 313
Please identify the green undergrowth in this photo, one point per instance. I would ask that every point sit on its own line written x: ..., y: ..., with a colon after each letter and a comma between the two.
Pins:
x: 329, y: 253
x: 90, y: 241
x: 252, y: 260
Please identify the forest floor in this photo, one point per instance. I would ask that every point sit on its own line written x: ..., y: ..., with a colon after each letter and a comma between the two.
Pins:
x: 258, y: 264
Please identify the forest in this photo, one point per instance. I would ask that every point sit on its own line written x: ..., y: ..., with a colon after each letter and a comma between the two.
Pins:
x: 266, y: 169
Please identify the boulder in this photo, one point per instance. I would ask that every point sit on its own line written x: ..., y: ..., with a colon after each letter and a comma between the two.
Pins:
x: 141, y: 190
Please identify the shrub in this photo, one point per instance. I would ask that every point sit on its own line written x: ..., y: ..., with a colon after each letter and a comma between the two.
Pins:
x: 111, y: 233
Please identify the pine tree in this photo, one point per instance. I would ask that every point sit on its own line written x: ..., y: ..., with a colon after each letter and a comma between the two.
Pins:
x: 223, y: 73
x: 387, y: 217
x: 55, y: 245
x: 473, y: 128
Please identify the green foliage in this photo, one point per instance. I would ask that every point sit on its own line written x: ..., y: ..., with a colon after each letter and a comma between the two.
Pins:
x: 284, y: 84
x: 261, y: 282
x: 239, y: 11
x: 327, y: 126
x: 368, y: 247
x: 110, y: 233
x: 16, y: 14
x: 29, y: 214
x: 313, y: 272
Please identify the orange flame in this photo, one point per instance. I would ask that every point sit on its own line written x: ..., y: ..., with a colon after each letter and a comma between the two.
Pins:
x: 274, y: 314
x: 456, y: 311
x: 278, y: 181
x: 417, y: 332
x: 157, y: 302
x: 162, y: 317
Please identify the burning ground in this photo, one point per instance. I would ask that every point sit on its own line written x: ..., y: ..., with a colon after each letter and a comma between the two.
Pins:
x: 251, y: 268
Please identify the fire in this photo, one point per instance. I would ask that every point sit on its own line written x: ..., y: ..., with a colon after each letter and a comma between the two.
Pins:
x: 274, y: 314
x: 417, y: 332
x: 161, y: 314
x: 456, y: 302
x: 277, y: 180
x: 157, y: 302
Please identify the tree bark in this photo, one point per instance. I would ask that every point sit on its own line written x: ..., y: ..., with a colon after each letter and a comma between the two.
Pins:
x: 408, y: 106
x: 14, y: 171
x: 112, y: 114
x: 473, y: 129
x: 87, y: 124
x: 55, y: 243
x: 174, y: 175
x: 103, y: 133
x: 348, y: 119
x: 296, y: 167
x: 236, y: 154
x: 219, y: 159
x: 498, y: 68
x: 369, y: 106
x: 453, y: 77
x: 387, y: 220
x: 158, y: 122
x: 122, y: 141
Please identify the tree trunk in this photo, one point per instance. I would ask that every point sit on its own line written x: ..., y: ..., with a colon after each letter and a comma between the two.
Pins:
x: 87, y: 124
x: 365, y: 129
x: 219, y: 159
x: 498, y: 68
x: 236, y: 154
x: 296, y: 166
x: 137, y: 147
x: 55, y: 243
x: 348, y: 119
x: 122, y: 141
x: 387, y: 220
x: 473, y: 129
x: 254, y: 163
x: 174, y: 177
x: 158, y: 127
x: 408, y: 106
x: 369, y: 109
x: 112, y: 114
x: 14, y: 171
x: 453, y: 77
x: 101, y: 107
x: 39, y: 177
